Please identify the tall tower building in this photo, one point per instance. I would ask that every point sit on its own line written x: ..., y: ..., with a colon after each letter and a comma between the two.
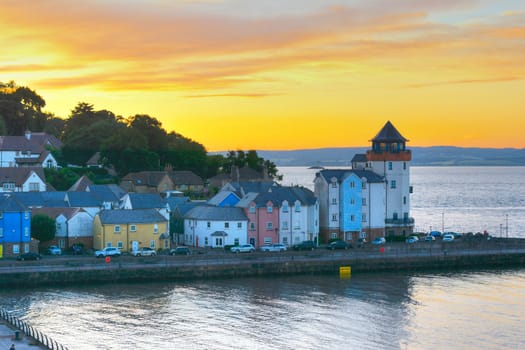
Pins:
x: 390, y: 159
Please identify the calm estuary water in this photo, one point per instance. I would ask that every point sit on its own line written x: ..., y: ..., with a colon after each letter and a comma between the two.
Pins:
x: 481, y: 309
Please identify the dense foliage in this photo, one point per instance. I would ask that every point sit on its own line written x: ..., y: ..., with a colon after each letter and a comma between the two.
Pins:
x: 43, y: 227
x: 125, y: 145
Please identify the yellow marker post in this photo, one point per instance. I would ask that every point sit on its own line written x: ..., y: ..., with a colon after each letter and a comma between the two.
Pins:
x: 345, y: 271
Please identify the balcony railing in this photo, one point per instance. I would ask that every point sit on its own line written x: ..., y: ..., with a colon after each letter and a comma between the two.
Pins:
x: 404, y: 221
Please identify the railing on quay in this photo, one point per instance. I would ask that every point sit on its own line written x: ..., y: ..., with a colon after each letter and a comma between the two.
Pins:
x: 28, y: 330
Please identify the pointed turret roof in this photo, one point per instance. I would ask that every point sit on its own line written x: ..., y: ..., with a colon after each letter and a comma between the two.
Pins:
x: 389, y: 134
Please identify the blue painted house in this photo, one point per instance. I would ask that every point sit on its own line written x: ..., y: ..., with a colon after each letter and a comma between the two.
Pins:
x: 15, y: 227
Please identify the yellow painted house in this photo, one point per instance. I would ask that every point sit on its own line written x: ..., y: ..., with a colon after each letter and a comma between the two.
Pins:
x: 130, y: 229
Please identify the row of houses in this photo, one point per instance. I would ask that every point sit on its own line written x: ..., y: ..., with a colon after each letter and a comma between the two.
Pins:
x: 371, y: 199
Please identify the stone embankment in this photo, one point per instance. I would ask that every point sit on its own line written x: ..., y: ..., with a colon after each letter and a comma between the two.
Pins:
x: 67, y: 270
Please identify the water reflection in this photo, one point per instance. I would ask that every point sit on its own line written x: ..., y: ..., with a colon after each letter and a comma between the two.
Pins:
x: 368, y: 311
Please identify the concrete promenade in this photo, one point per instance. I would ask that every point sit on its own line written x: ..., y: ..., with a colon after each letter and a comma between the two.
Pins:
x: 7, y: 337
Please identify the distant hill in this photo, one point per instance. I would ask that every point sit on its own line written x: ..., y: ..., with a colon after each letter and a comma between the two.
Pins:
x: 429, y: 156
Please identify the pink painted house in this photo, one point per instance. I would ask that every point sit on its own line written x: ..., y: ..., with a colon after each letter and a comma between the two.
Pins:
x: 263, y: 219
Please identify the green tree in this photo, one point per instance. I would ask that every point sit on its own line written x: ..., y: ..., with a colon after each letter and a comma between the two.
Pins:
x: 21, y: 109
x: 61, y: 179
x: 43, y: 227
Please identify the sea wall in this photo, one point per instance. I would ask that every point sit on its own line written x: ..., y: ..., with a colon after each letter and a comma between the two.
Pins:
x: 117, y: 272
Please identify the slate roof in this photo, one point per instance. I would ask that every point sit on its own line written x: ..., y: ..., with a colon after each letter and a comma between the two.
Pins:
x: 280, y: 194
x: 216, y: 214
x: 107, y: 193
x: 19, y: 175
x: 81, y: 184
x: 359, y: 158
x: 146, y: 178
x: 182, y: 209
x: 30, y: 199
x: 8, y: 203
x: 82, y: 199
x: 185, y: 178
x: 54, y: 199
x: 136, y: 216
x: 389, y: 134
x: 146, y: 200
x: 36, y: 143
x: 56, y: 212
x: 340, y: 175
x: 173, y: 202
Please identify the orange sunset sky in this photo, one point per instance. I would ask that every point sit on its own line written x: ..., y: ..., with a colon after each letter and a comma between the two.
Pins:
x: 280, y: 74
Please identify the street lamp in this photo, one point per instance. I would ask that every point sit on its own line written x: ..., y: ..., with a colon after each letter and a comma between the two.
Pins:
x: 507, y: 225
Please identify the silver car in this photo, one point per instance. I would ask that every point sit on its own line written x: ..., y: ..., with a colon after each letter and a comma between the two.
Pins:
x: 243, y: 248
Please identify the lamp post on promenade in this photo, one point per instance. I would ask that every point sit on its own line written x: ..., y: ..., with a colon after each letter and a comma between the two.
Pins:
x: 507, y: 225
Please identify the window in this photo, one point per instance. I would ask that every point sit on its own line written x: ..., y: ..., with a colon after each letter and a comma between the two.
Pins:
x: 152, y: 244
x: 239, y: 225
x: 394, y: 215
x: 363, y: 202
x: 389, y: 165
x: 352, y: 184
x: 352, y: 201
x: 226, y: 225
x: 363, y: 217
x: 34, y: 187
x: 236, y: 241
x: 285, y: 225
x: 16, y: 249
x: 133, y: 228
x: 297, y: 207
x: 269, y: 226
x: 108, y: 244
x: 334, y: 184
x: 26, y: 248
x: 116, y: 229
x: 1, y: 215
x: 120, y: 244
x: 26, y: 231
x: 267, y: 240
x: 26, y: 215
x: 393, y: 184
x: 208, y: 224
x: 8, y: 186
x: 352, y: 218
x: 334, y: 217
x: 252, y: 209
x: 404, y: 165
x: 404, y: 200
x: 363, y: 185
x: 156, y: 228
x: 218, y: 242
x: 334, y: 235
x: 285, y: 207
x: 285, y: 240
x: 252, y: 226
x: 205, y: 240
x: 1, y: 232
x: 269, y: 209
x: 334, y: 201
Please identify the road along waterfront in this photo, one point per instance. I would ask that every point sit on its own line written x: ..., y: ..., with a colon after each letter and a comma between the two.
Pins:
x: 390, y: 257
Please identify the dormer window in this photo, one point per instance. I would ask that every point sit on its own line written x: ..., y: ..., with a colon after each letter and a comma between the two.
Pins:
x: 269, y: 209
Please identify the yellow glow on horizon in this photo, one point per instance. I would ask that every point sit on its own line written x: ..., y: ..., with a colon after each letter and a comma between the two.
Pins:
x: 330, y: 77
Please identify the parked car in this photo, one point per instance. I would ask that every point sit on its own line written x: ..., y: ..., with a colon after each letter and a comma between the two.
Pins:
x: 304, y: 245
x: 277, y: 247
x: 180, y: 251
x: 448, y: 238
x: 144, y: 251
x: 29, y: 256
x: 243, y: 248
x: 379, y: 240
x: 435, y: 233
x: 53, y: 250
x: 430, y: 238
x: 108, y: 251
x: 412, y: 239
x: 339, y: 245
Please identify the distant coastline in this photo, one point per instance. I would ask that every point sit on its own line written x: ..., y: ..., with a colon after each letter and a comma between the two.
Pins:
x: 421, y: 156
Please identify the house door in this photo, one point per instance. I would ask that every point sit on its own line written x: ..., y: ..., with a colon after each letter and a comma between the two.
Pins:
x: 218, y: 242
x: 135, y: 245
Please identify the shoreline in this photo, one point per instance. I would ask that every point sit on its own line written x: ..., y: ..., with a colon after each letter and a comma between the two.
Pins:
x: 395, y: 257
